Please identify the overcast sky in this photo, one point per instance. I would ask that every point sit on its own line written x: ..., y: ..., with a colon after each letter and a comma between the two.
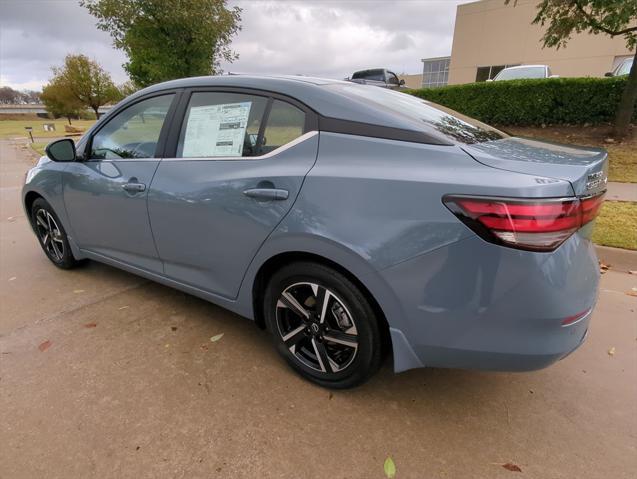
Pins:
x: 322, y: 37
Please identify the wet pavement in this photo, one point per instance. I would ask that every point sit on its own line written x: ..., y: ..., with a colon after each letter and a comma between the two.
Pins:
x: 104, y: 374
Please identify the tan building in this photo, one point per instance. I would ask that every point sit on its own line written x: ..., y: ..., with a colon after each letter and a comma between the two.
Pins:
x: 412, y: 81
x: 490, y: 35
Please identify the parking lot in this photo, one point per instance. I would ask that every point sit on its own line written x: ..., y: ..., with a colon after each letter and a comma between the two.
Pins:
x: 105, y: 374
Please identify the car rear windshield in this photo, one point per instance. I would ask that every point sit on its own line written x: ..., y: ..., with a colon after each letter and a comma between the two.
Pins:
x: 451, y: 124
x: 521, y: 73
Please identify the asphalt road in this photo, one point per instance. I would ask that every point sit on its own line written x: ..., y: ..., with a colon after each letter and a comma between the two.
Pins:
x: 130, y: 385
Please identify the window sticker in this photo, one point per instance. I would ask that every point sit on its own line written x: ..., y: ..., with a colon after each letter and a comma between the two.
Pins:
x: 216, y: 130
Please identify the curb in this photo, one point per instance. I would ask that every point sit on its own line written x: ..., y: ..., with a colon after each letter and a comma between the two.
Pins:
x: 618, y: 259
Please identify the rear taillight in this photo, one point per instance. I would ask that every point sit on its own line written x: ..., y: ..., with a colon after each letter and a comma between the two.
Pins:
x: 536, y: 225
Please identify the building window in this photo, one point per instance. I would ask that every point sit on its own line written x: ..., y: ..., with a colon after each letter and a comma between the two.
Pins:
x: 435, y: 72
x: 489, y: 73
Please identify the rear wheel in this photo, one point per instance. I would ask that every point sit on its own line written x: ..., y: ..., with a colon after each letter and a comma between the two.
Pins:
x: 51, y: 235
x: 323, y: 325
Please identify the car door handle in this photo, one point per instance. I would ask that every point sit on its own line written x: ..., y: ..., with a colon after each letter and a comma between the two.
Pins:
x: 267, y: 194
x: 134, y: 187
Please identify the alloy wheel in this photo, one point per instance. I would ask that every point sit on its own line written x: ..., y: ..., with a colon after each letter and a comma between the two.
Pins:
x: 316, y: 327
x: 50, y: 234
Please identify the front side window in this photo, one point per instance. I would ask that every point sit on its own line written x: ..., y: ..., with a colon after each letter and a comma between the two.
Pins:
x: 285, y: 123
x: 220, y: 124
x: 624, y: 68
x: 134, y: 132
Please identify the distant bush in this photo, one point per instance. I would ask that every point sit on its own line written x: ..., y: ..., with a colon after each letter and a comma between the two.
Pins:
x: 554, y: 101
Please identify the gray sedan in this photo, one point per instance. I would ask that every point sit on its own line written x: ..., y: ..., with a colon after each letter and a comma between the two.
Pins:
x: 348, y: 221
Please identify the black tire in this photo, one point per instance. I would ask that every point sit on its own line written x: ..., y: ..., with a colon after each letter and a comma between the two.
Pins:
x: 347, y: 311
x: 58, y: 251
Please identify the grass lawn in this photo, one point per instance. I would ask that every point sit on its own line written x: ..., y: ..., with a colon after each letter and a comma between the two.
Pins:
x: 622, y: 156
x: 616, y: 225
x: 15, y: 128
x: 39, y: 146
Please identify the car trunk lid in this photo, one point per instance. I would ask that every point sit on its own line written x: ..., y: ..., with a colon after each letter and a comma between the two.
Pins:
x: 585, y: 168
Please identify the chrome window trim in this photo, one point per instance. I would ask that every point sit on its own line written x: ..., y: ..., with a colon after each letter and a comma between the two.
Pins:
x: 280, y: 149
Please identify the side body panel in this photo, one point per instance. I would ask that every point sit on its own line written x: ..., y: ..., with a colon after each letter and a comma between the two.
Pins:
x: 374, y: 207
x: 206, y: 228
x: 45, y: 179
x: 107, y: 219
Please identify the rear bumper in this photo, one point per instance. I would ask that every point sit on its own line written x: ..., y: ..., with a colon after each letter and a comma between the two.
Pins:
x: 474, y: 305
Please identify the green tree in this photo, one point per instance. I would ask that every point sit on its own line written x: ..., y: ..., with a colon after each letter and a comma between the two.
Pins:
x: 616, y: 18
x: 86, y: 81
x: 59, y: 101
x: 168, y: 39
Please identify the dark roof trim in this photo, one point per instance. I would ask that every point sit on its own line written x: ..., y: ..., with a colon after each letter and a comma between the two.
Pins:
x: 347, y: 127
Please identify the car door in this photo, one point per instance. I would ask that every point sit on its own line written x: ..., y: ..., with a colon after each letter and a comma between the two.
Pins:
x: 106, y: 193
x: 239, y: 161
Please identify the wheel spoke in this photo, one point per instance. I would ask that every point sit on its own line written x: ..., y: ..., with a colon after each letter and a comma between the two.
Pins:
x: 322, y: 300
x: 292, y: 338
x: 321, y: 356
x: 46, y: 239
x: 290, y: 302
x: 340, y: 337
x: 48, y: 220
x: 56, y: 249
x: 41, y: 221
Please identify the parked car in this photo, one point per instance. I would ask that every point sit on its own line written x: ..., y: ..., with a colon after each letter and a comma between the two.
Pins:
x: 346, y: 220
x: 377, y: 77
x: 622, y: 69
x: 522, y: 72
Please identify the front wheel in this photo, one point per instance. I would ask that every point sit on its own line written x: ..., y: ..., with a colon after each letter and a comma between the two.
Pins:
x: 51, y: 235
x: 323, y: 325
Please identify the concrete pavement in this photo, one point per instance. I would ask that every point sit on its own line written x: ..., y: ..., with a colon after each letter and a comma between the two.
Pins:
x: 104, y: 374
x: 621, y: 191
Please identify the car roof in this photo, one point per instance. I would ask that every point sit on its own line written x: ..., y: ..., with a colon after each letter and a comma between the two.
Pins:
x: 315, y: 93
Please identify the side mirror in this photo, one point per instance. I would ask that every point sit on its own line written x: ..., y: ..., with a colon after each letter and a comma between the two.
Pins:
x: 608, y: 74
x: 402, y: 82
x: 61, y: 150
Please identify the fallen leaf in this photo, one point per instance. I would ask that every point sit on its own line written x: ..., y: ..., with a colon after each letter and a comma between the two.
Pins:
x: 216, y: 338
x: 45, y: 345
x: 611, y: 351
x: 631, y: 293
x: 632, y: 272
x: 12, y: 278
x: 76, y: 291
x: 123, y: 307
x: 512, y: 467
x: 603, y: 267
x: 204, y: 347
x: 90, y: 325
x: 174, y: 328
x: 11, y: 219
x: 330, y: 396
x: 390, y: 468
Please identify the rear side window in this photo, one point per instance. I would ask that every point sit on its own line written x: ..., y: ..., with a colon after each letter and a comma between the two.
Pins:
x: 219, y: 124
x: 134, y: 132
x: 285, y: 124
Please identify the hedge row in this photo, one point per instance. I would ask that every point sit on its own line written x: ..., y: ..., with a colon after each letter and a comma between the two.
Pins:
x: 572, y: 101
